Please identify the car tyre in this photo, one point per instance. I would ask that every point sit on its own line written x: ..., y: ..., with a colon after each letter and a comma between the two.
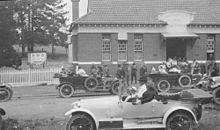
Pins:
x: 115, y: 88
x: 80, y: 122
x: 216, y: 95
x: 91, y: 83
x: 184, y: 81
x: 180, y: 121
x: 5, y: 94
x: 66, y: 90
x: 163, y: 85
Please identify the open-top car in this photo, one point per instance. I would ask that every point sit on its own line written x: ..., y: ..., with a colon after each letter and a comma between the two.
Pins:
x: 70, y: 83
x: 112, y: 113
x: 211, y: 84
x: 165, y: 82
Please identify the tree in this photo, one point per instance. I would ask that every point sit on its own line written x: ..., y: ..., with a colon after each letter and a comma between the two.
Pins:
x: 8, y: 56
x: 40, y: 22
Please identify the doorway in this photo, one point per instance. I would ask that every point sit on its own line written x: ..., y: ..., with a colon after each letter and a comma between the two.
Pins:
x: 175, y: 48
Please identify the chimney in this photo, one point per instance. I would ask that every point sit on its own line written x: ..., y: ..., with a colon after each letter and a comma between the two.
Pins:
x: 75, y: 9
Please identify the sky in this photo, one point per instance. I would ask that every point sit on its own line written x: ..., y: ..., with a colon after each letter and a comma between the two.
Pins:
x: 82, y: 8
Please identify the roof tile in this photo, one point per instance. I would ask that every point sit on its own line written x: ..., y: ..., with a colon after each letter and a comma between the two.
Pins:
x: 147, y: 11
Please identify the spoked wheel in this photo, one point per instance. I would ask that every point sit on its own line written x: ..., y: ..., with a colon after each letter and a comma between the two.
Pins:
x: 180, y: 121
x: 216, y: 95
x: 66, y: 90
x: 163, y: 86
x: 80, y: 122
x: 91, y: 83
x: 5, y: 94
x: 184, y: 81
x: 115, y: 88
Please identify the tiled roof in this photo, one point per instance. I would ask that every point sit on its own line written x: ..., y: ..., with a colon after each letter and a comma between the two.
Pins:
x: 147, y: 11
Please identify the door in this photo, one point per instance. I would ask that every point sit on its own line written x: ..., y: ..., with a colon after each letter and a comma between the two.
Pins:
x: 176, y: 48
x: 131, y: 111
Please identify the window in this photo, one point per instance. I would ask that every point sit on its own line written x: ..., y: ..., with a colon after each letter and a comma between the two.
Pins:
x: 106, y: 47
x: 210, y: 47
x: 122, y: 50
x: 138, y: 47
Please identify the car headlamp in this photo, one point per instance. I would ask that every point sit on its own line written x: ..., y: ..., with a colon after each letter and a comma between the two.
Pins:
x: 76, y: 104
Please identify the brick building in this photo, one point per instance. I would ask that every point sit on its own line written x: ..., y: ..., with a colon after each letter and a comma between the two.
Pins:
x: 148, y: 31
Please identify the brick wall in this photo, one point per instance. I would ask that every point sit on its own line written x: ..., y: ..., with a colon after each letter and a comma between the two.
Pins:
x: 197, y: 49
x: 154, y: 50
x: 217, y: 47
x: 89, y: 47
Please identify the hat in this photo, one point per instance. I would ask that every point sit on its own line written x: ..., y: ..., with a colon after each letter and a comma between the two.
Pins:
x: 143, y: 79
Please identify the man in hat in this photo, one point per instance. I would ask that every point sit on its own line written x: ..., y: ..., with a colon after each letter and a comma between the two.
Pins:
x: 146, y: 92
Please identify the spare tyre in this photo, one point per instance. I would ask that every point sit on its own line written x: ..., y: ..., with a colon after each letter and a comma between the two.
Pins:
x: 163, y: 85
x: 216, y: 95
x: 184, y: 81
x: 91, y: 83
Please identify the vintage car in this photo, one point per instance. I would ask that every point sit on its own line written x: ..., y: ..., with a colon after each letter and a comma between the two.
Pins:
x: 211, y: 84
x: 165, y: 82
x: 70, y: 83
x: 112, y: 113
x: 6, y: 92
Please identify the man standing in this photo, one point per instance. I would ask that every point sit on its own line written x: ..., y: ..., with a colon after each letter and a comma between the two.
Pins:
x: 143, y: 70
x: 134, y: 73
x: 126, y: 70
x: 120, y: 74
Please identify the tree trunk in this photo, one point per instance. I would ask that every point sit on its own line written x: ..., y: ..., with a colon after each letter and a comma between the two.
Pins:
x: 23, y: 49
x: 52, y: 48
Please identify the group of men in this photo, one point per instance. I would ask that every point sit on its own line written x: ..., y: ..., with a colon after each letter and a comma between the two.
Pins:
x: 124, y: 71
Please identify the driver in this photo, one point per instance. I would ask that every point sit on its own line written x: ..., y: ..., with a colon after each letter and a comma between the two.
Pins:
x: 146, y: 92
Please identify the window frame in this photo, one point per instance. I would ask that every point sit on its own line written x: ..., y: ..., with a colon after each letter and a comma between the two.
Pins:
x: 104, y: 40
x: 123, y: 51
x: 210, y: 42
x: 138, y: 38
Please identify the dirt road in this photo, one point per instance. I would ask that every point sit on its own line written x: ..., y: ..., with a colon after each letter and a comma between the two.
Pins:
x: 38, y: 102
x: 44, y: 103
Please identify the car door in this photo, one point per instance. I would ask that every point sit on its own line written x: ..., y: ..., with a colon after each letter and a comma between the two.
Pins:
x: 145, y: 110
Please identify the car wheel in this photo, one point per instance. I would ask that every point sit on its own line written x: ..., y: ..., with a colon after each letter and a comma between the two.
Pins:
x: 163, y: 86
x: 5, y: 94
x: 184, y: 81
x: 115, y: 88
x: 11, y: 93
x: 91, y: 83
x: 1, y: 122
x: 180, y: 121
x: 80, y: 122
x: 66, y: 90
x: 216, y: 95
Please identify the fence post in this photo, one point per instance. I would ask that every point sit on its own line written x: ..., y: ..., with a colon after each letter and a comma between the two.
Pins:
x: 29, y: 75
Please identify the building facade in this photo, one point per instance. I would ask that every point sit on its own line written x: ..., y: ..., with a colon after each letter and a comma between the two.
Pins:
x: 146, y: 31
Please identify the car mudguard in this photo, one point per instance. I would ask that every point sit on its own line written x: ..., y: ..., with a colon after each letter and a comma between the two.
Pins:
x: 216, y: 85
x: 2, y: 112
x: 58, y: 86
x: 175, y: 109
x: 83, y: 110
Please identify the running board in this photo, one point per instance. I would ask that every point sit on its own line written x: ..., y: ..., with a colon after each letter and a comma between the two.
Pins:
x: 141, y: 124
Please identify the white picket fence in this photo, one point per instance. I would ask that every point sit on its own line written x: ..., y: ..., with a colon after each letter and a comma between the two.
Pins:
x: 29, y: 77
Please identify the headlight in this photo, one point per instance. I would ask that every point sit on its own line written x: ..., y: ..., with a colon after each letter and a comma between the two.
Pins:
x: 76, y: 104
